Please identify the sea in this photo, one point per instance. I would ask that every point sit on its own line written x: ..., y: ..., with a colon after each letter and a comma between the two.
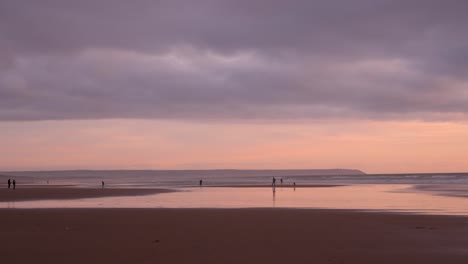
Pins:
x: 423, y: 193
x: 186, y: 178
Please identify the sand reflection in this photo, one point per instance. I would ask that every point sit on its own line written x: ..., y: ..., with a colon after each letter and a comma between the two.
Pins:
x: 397, y: 198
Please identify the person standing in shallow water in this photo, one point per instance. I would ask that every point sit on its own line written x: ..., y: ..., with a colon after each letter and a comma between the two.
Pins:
x: 14, y: 184
x: 9, y: 183
x: 201, y: 182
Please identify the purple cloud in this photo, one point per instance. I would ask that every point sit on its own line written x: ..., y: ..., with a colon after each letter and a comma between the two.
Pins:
x: 241, y: 59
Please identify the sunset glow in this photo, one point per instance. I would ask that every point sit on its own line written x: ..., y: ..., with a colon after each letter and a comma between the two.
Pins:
x: 374, y: 147
x: 377, y: 86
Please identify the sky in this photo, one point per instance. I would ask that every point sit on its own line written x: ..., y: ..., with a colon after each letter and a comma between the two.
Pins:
x: 375, y: 85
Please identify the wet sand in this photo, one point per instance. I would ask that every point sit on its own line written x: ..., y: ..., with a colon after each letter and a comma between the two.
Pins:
x: 277, y: 186
x: 31, y: 193
x: 229, y: 236
x: 60, y: 192
x: 455, y: 190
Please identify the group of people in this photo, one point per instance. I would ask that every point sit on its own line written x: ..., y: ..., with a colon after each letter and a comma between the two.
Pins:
x: 10, y: 182
x: 274, y: 181
x: 281, y: 180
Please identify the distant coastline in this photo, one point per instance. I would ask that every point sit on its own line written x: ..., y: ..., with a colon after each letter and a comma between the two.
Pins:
x: 214, y: 172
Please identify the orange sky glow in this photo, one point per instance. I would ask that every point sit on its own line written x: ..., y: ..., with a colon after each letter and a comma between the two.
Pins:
x: 374, y: 147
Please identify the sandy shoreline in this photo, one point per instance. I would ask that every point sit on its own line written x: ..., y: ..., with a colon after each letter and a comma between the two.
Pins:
x: 59, y: 192
x: 229, y: 236
x: 219, y: 235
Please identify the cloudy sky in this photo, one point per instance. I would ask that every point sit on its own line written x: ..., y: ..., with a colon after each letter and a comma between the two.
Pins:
x: 376, y: 85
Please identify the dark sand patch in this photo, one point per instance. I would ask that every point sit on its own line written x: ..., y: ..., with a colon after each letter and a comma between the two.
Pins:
x: 56, y: 193
x: 229, y: 236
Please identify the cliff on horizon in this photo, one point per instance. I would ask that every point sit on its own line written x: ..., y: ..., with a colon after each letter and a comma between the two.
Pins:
x: 176, y: 173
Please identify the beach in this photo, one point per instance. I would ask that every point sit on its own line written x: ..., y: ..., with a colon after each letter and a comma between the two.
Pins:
x: 218, y: 235
x: 33, y: 193
x: 229, y: 236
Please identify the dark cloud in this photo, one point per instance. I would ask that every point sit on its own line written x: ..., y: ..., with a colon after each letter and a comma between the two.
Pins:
x: 233, y: 59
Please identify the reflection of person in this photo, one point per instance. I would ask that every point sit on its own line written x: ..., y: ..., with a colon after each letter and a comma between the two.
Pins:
x: 274, y: 195
x: 9, y: 183
x: 14, y: 184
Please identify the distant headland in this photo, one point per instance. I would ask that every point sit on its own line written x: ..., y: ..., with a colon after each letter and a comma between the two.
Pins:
x: 175, y: 173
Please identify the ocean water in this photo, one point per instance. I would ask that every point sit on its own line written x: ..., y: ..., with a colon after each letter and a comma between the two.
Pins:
x: 185, y: 178
x: 436, y: 193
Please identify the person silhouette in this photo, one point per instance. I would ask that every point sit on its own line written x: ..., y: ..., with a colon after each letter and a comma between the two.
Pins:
x: 274, y: 182
x: 9, y: 183
x: 14, y: 184
x: 294, y: 183
x: 281, y: 181
x: 102, y: 183
x: 201, y: 182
